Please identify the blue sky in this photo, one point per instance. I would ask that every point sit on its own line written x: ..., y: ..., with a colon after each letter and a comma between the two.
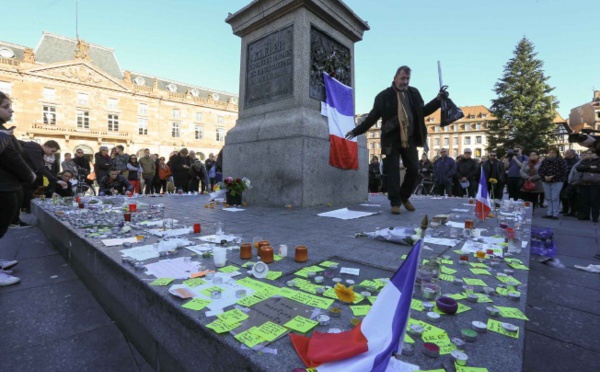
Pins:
x: 188, y: 41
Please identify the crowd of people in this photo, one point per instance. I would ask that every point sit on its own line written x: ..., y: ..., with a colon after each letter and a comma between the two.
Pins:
x: 568, y: 185
x: 28, y: 170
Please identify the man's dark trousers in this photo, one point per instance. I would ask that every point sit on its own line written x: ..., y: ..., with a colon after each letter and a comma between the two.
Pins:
x: 410, y: 159
x: 514, y: 187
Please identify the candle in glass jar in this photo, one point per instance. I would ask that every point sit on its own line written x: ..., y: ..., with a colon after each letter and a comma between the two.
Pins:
x: 480, y: 254
x: 127, y: 217
x: 245, y: 251
x: 469, y: 224
x: 266, y: 254
x: 301, y: 253
x: 262, y: 243
x: 464, y: 258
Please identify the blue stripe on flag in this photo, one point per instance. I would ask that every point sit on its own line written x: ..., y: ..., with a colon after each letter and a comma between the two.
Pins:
x: 339, y: 96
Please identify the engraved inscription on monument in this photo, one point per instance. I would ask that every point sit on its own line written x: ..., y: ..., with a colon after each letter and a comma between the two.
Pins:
x: 327, y: 55
x: 269, y: 69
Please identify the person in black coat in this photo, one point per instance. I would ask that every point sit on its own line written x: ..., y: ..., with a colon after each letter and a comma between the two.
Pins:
x: 493, y: 168
x: 114, y: 183
x: 402, y: 131
x: 62, y: 190
x: 374, y: 175
x: 14, y: 171
x: 102, y: 163
x: 467, y: 170
x: 180, y: 167
x: 34, y: 154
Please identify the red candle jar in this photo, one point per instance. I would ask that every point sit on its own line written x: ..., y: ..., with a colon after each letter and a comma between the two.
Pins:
x: 262, y: 243
x: 464, y: 257
x: 77, y: 199
x: 301, y: 253
x: 245, y: 251
x: 469, y: 224
x: 266, y: 254
x: 489, y: 252
x: 197, y: 228
x: 132, y: 207
x: 127, y: 217
x: 81, y: 206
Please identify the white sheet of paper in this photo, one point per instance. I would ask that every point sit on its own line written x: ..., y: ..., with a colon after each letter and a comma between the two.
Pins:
x: 200, y: 248
x: 175, y: 268
x: 370, y: 205
x: 441, y: 241
x: 176, y: 232
x: 142, y: 253
x: 216, y: 238
x: 158, y: 223
x: 228, y: 297
x: 231, y: 209
x: 455, y: 224
x: 460, y: 210
x: 345, y: 214
x: 347, y: 270
x: 118, y: 241
x: 396, y: 365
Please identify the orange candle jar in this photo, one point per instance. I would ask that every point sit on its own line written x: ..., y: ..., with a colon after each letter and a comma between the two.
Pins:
x: 262, y: 243
x: 266, y: 254
x: 301, y: 253
x: 245, y: 251
x: 469, y: 224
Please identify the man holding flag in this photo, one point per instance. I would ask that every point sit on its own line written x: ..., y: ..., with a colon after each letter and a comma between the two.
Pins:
x: 403, y: 112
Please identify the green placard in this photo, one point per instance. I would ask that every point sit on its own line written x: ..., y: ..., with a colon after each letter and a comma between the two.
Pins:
x: 197, y: 304
x: 301, y: 324
x: 162, y: 281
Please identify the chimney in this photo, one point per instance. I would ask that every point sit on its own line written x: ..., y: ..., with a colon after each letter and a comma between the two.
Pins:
x: 596, y: 96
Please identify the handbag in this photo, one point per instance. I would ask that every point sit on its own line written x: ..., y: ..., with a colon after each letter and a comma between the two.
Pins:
x: 590, y: 178
x: 529, y: 186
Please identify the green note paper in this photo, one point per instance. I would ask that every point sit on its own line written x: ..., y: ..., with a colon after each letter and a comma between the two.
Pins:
x: 496, y: 326
x: 417, y: 305
x: 328, y: 263
x: 480, y: 272
x: 301, y: 324
x: 277, y: 257
x: 372, y: 299
x: 208, y: 291
x: 270, y: 331
x: 360, y: 310
x: 233, y: 316
x: 469, y: 369
x: 197, y: 304
x: 403, y: 257
x: 447, y: 277
x: 505, y: 279
x: 479, y: 265
x: 162, y: 281
x: 442, y: 340
x: 220, y: 326
x: 483, y: 298
x: 470, y: 281
x: 369, y: 283
x: 447, y: 270
x: 228, y: 269
x: 456, y: 296
x: 250, y: 337
x: 272, y: 275
x: 447, y: 262
x: 194, y: 282
x: 408, y: 339
x: 518, y: 266
x: 511, y: 312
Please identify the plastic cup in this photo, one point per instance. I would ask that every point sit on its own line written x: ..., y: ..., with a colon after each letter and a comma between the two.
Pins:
x: 219, y: 257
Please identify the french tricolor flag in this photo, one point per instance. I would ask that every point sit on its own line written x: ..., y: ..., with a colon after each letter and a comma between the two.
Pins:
x: 339, y: 109
x: 482, y: 204
x: 370, y: 345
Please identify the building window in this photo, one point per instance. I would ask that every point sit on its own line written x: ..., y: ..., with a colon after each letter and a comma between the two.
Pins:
x: 478, y: 153
x: 175, y: 128
x: 176, y: 113
x: 437, y: 129
x: 199, y: 117
x: 113, y: 104
x: 220, y: 135
x: 219, y: 119
x: 113, y: 123
x: 372, y: 135
x: 83, y: 99
x: 478, y: 139
x: 484, y: 116
x: 446, y: 141
x: 437, y: 141
x: 455, y: 152
x: 6, y: 87
x: 142, y: 108
x: 199, y: 132
x: 455, y: 141
x: 49, y: 115
x: 456, y: 127
x: 49, y: 94
x: 378, y: 125
x: 467, y: 140
x: 83, y: 119
x: 143, y: 127
x: 446, y: 129
x: 478, y: 126
x: 371, y: 145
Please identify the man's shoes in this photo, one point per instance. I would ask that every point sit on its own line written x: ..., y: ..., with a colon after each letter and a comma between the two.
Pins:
x: 19, y: 225
x: 546, y: 216
x: 408, y: 205
x: 7, y: 264
x: 395, y: 209
x: 6, y: 279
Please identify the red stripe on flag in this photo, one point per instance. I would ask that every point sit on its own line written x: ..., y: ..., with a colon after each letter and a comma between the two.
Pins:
x: 482, y: 210
x: 343, y: 153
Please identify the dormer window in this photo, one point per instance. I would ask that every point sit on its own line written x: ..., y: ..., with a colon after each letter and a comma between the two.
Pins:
x: 172, y: 88
x: 6, y: 52
x: 139, y: 80
x: 195, y: 92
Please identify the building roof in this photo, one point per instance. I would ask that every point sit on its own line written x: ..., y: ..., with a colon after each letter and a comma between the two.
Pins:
x: 18, y: 50
x: 56, y: 48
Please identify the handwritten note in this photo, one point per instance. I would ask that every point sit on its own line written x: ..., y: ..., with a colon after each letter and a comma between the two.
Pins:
x: 220, y: 326
x: 194, y: 282
x: 228, y: 269
x: 447, y: 277
x: 518, y: 266
x: 427, y: 328
x: 250, y: 337
x: 272, y: 275
x: 161, y: 281
x: 254, y: 299
x: 442, y: 340
x: 209, y: 290
x: 369, y: 283
x: 233, y: 316
x: 496, y: 326
x: 456, y: 296
x: 470, y: 281
x: 301, y: 324
x: 482, y: 297
x: 328, y: 263
x: 258, y: 286
x: 416, y: 305
x: 480, y: 272
x: 511, y: 312
x: 448, y: 262
x: 270, y: 331
x: 469, y: 369
x: 305, y: 298
x: 479, y: 265
x: 197, y: 304
x: 360, y: 310
x: 505, y: 279
x: 447, y: 270
x: 408, y: 339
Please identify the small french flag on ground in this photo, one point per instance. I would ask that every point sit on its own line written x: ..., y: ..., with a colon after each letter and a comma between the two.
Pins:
x: 370, y: 345
x: 482, y: 205
x: 339, y: 109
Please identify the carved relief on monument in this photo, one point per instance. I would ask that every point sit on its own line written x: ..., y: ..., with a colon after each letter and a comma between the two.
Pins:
x: 83, y: 74
x: 327, y: 55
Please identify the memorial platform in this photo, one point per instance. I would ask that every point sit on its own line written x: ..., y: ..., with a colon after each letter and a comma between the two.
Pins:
x: 174, y: 338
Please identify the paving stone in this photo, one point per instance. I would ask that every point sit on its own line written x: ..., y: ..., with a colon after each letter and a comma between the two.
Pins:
x: 547, y: 354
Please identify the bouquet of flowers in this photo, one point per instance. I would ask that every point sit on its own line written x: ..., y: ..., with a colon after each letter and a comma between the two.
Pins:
x: 235, y: 186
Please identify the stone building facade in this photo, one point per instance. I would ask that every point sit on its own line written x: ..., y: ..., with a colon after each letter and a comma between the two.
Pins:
x: 586, y: 116
x: 76, y: 94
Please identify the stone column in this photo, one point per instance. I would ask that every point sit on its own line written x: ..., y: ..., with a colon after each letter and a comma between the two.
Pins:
x: 281, y: 141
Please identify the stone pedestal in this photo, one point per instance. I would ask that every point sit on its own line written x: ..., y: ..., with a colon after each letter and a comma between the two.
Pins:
x: 281, y: 141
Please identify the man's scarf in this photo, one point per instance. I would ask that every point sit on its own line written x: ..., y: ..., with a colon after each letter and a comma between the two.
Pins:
x: 402, y: 119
